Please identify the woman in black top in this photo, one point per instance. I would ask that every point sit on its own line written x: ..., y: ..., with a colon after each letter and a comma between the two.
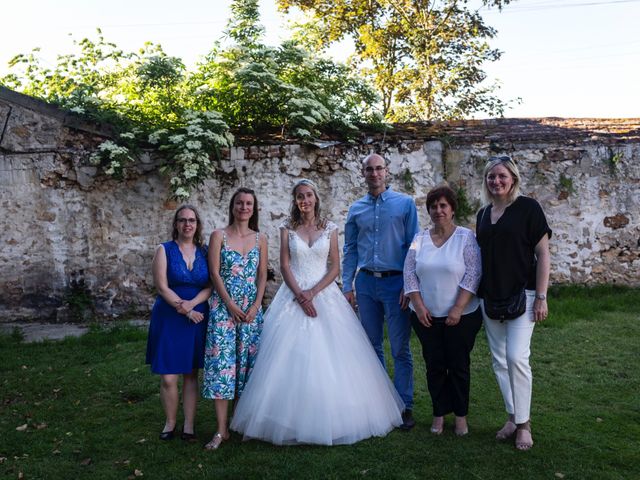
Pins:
x: 513, y: 235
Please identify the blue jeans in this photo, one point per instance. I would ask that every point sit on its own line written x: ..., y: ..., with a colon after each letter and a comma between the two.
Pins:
x: 377, y: 300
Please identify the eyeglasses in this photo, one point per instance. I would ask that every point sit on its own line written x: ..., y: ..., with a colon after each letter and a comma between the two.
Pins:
x: 379, y: 168
x: 190, y: 221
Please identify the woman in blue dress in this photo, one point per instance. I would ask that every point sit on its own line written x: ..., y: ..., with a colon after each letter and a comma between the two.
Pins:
x: 238, y: 268
x: 177, y: 331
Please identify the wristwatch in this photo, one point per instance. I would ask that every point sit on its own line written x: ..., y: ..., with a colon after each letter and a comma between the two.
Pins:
x: 541, y: 296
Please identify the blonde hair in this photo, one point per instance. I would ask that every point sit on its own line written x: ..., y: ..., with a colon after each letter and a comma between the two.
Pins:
x: 511, y: 166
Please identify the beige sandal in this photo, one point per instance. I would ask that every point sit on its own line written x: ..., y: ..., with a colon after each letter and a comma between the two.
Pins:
x: 437, y: 426
x: 507, y: 431
x: 461, y: 427
x: 524, y: 441
x: 216, y: 441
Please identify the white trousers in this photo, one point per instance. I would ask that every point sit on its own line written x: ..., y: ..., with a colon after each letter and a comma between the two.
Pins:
x: 510, y: 342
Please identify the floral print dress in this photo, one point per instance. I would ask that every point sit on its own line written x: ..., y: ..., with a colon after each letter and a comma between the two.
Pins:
x: 231, y: 348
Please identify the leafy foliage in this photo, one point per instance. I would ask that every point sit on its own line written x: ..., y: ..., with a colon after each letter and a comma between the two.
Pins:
x: 154, y: 102
x: 257, y: 87
x: 424, y: 56
x: 144, y: 95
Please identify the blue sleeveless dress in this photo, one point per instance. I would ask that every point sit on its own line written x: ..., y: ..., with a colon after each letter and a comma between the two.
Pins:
x: 176, y: 344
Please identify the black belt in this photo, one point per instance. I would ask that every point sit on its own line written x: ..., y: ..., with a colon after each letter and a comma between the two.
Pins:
x: 388, y: 273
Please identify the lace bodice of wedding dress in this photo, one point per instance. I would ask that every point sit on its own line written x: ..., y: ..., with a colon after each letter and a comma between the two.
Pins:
x: 309, y: 263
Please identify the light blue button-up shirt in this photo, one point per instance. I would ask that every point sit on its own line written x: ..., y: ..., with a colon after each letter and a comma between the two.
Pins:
x: 378, y: 233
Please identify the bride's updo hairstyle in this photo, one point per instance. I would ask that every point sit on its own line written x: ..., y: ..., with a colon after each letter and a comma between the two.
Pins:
x: 295, y: 218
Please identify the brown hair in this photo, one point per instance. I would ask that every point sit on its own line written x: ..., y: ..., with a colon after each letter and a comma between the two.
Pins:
x: 253, y: 221
x: 442, y: 191
x: 197, y: 237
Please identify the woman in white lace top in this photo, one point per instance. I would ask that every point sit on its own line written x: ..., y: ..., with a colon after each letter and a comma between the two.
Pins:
x: 441, y: 276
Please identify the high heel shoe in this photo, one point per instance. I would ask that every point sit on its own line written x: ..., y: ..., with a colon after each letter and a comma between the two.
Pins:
x: 188, y: 437
x: 167, y: 435
x: 216, y: 441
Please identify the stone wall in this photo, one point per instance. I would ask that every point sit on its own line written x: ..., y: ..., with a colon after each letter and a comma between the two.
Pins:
x: 70, y: 236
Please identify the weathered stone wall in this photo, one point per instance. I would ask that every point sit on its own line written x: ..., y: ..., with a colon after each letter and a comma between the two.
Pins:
x: 67, y: 233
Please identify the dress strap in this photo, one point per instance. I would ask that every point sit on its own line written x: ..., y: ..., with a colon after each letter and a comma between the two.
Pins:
x: 258, y: 240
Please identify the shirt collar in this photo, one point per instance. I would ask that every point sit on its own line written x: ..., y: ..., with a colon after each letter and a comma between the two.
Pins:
x: 383, y: 196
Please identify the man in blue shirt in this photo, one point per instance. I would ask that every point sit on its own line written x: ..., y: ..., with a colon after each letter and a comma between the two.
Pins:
x: 379, y: 230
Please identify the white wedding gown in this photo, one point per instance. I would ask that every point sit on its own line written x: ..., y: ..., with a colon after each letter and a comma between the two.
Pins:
x: 315, y: 380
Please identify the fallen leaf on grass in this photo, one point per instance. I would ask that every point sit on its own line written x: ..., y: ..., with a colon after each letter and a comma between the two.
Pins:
x: 138, y: 473
x: 559, y: 475
x: 598, y: 419
x: 199, y: 465
x: 40, y: 426
x: 2, y: 459
x: 20, y: 475
x: 21, y: 428
x: 85, y: 462
x: 56, y: 390
x: 56, y: 452
x: 142, y: 440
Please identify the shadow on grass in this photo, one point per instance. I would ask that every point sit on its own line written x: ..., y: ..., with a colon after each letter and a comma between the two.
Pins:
x: 89, y: 408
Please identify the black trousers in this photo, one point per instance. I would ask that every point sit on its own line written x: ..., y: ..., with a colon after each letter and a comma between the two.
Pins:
x: 446, y: 352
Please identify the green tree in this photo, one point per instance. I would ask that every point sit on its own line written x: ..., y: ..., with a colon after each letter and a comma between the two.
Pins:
x: 153, y: 102
x: 256, y: 86
x: 424, y: 57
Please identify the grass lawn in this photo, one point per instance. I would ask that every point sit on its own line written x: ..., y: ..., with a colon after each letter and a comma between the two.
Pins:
x: 89, y: 408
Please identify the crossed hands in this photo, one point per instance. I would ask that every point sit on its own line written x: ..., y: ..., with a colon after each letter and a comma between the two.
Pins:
x: 424, y: 316
x: 305, y: 300
x: 239, y: 316
x: 186, y: 307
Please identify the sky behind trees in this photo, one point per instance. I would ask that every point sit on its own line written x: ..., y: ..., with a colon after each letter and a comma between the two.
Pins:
x: 566, y: 58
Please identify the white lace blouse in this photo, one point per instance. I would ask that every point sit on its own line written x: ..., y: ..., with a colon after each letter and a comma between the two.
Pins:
x: 438, y: 272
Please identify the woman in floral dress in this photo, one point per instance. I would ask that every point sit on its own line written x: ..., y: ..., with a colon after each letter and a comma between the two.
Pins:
x: 238, y: 269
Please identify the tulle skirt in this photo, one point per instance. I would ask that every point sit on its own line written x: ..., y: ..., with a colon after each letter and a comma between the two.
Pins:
x: 316, y: 380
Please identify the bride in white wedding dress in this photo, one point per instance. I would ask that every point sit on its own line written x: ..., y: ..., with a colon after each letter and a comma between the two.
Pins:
x: 317, y: 379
